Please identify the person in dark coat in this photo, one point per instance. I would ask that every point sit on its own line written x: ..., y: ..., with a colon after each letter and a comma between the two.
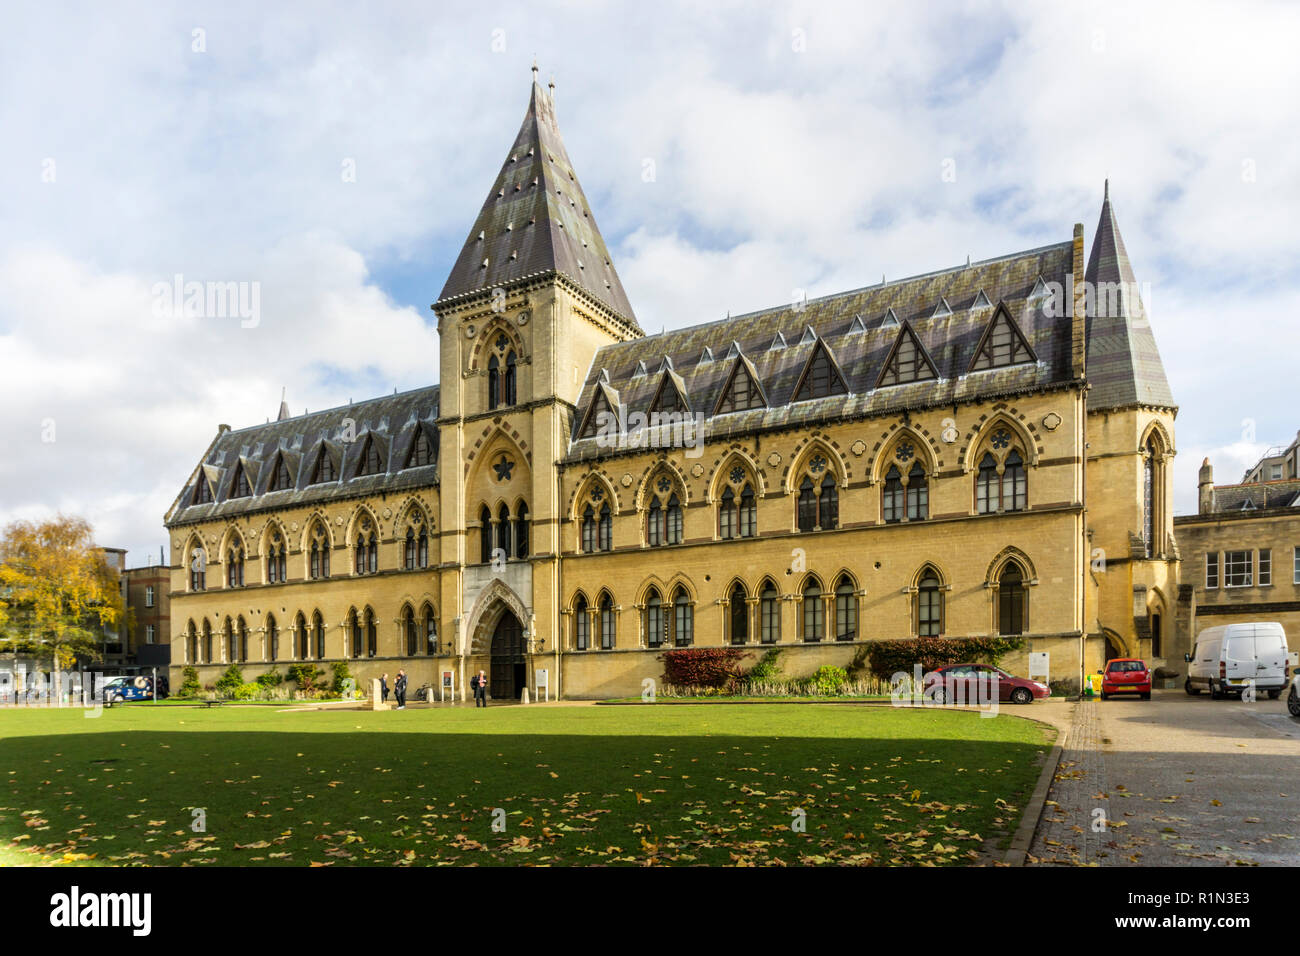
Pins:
x: 479, y: 683
x: 383, y: 689
x: 399, y: 690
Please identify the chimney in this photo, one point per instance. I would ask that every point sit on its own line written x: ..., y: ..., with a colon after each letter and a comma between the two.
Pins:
x: 1205, y: 488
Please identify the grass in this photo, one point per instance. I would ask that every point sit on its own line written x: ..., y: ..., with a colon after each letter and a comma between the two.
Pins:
x: 687, y: 784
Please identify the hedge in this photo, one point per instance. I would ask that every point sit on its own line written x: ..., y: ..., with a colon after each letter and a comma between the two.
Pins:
x: 886, y: 658
x: 702, y: 666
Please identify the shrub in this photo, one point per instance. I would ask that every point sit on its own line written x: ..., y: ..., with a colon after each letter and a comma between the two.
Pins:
x: 305, y: 676
x: 189, y: 683
x: 1064, y: 687
x: 885, y: 658
x: 343, y: 681
x: 702, y: 666
x: 251, y: 691
x: 272, y: 678
x: 828, y: 680
x: 767, y: 668
x: 230, y: 681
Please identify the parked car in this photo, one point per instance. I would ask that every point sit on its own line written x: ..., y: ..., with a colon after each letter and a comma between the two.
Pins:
x: 1126, y: 675
x: 974, y: 683
x: 1229, y: 658
x: 120, y: 689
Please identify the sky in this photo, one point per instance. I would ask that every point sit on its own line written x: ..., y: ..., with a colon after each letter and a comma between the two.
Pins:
x: 332, y: 157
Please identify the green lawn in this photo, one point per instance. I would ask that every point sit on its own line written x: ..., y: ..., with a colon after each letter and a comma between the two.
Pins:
x: 644, y: 784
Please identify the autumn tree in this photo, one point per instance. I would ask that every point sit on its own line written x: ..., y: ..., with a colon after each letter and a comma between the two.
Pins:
x: 57, y: 593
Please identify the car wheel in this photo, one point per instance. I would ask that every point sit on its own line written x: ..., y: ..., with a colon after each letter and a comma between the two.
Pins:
x: 1216, y: 692
x: 1022, y: 695
x: 1104, y: 696
x: 1293, y: 702
x: 1191, y: 691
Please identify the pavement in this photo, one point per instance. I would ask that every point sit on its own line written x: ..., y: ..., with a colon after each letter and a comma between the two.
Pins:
x: 1174, y: 781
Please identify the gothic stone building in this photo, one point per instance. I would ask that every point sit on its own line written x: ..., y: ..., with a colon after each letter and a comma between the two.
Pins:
x: 983, y: 449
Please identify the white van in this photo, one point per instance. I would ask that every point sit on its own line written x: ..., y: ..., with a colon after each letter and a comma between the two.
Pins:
x: 1227, y: 659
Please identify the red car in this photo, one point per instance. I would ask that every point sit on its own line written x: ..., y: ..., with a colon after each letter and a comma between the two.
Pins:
x: 1126, y: 675
x: 974, y: 684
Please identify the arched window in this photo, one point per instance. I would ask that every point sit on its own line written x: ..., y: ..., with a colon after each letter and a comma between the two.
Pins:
x: 769, y: 603
x: 664, y: 520
x: 727, y: 516
x: 748, y: 512
x: 235, y: 567
x: 408, y: 628
x: 1014, y: 485
x: 683, y: 619
x: 606, y: 622
x: 410, y: 549
x: 813, y: 611
x: 891, y: 500
x: 367, y: 548
x: 673, y: 527
x: 929, y: 605
x: 430, y: 631
x: 521, y: 529
x: 581, y: 624
x: 1012, y: 599
x: 511, y: 375
x: 207, y: 641
x: 272, y: 639
x: 987, y: 499
x: 228, y: 640
x: 276, y: 561
x: 846, y: 611
x: 485, y: 536
x: 918, y: 494
x: 503, y: 530
x: 198, y: 569
x: 1150, y: 488
x: 828, y: 504
x: 605, y: 529
x: 372, y: 636
x: 319, y: 567
x: 304, y: 637
x: 241, y: 640
x: 818, y: 507
x: 1156, y: 636
x: 494, y: 382
x: 738, y: 613
x: 318, y: 628
x: 807, y: 505
x: 589, y: 529
x: 191, y: 644
x: 358, y: 637
x: 655, y: 523
x: 654, y: 619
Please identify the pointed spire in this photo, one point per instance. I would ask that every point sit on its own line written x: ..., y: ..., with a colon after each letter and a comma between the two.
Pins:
x: 284, y: 406
x: 536, y: 220
x: 1123, y: 363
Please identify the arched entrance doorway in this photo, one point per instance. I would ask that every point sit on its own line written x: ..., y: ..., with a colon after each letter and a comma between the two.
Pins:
x: 508, y: 674
x: 1113, y: 648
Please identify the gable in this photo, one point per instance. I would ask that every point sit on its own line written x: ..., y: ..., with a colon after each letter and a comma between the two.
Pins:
x: 907, y: 361
x: 741, y: 392
x: 1002, y: 344
x: 821, y: 376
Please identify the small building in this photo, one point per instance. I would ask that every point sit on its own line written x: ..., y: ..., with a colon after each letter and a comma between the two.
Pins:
x: 1241, y: 551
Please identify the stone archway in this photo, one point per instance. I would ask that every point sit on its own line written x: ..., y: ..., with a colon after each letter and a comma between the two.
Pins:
x: 508, y: 668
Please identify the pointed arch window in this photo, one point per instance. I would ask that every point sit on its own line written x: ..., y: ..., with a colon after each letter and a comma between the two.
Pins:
x: 891, y: 496
x: 409, y: 631
x: 814, y: 613
x: 430, y: 631
x: 521, y: 530
x: 664, y: 519
x: 228, y: 640
x: 655, y: 626
x: 485, y: 535
x: 198, y: 569
x: 1014, y: 483
x: 280, y: 479
x: 191, y: 644
x: 235, y: 567
x: 748, y: 512
x: 1013, y: 599
x: 511, y: 378
x: 304, y: 637
x: 605, y: 528
x: 503, y: 530
x: 606, y: 617
x: 241, y: 640
x: 918, y: 494
x: 738, y: 614
x: 846, y: 610
x: 581, y: 624
x: 818, y: 506
x: 987, y: 497
x: 828, y: 504
x: 358, y: 634
x: 807, y: 508
x: 319, y: 564
x: 1001, y: 482
x: 929, y: 605
x: 683, y: 619
x: 727, y: 516
x: 589, y: 530
x: 367, y: 550
x: 494, y: 382
x: 276, y: 559
x: 372, y: 636
x: 1152, y: 497
x: 272, y: 639
x: 769, y: 605
x: 207, y: 641
x: 318, y: 632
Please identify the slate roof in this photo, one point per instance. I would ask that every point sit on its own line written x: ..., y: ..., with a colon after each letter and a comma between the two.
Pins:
x: 859, y: 329
x: 392, y: 422
x: 1124, y: 365
x: 1263, y: 494
x: 536, y: 220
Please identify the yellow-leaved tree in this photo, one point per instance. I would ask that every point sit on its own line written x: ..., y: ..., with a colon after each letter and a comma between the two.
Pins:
x: 57, y: 593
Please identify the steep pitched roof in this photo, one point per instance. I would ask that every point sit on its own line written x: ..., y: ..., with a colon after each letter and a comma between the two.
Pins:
x: 536, y: 220
x: 391, y: 423
x: 950, y: 342
x: 1123, y: 363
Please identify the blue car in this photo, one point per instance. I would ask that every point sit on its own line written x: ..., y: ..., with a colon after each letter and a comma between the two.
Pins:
x: 117, y: 690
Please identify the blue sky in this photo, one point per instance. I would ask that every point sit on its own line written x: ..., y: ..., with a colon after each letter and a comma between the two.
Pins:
x: 795, y: 146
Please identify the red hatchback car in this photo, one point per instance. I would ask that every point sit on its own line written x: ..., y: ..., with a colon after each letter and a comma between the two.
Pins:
x: 974, y: 683
x: 1126, y: 675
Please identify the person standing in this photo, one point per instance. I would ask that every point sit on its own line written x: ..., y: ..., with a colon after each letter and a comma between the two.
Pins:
x: 383, y: 688
x: 399, y: 690
x: 480, y: 689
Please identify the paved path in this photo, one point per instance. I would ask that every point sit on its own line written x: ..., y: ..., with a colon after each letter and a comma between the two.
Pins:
x: 1180, y: 781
